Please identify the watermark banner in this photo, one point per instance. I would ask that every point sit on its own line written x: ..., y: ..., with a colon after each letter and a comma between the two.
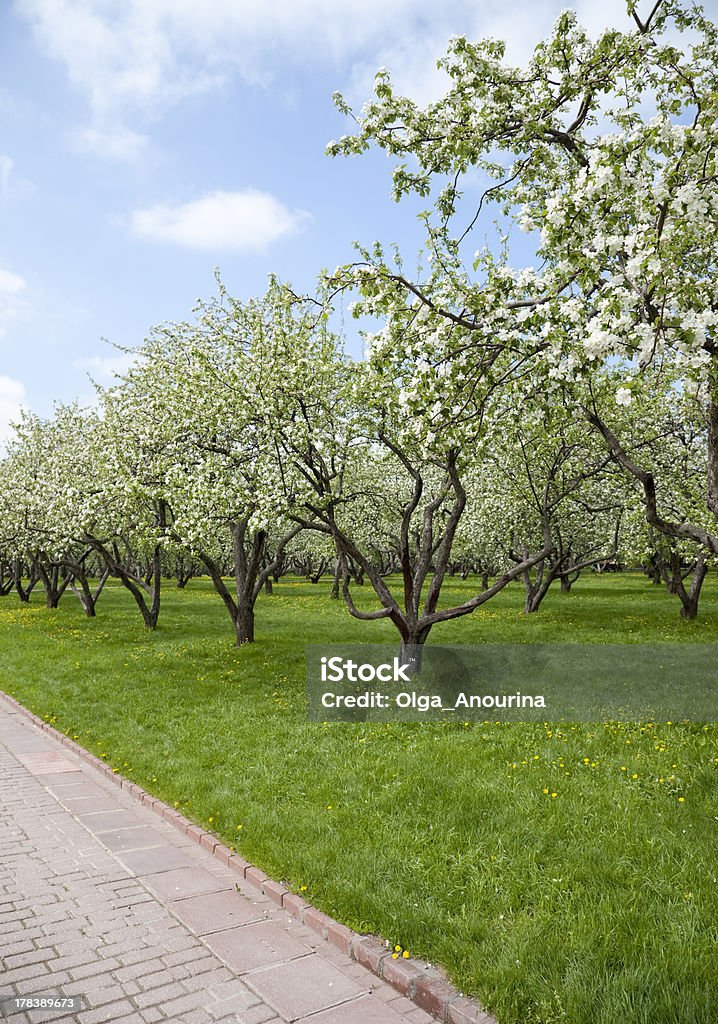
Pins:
x: 512, y: 682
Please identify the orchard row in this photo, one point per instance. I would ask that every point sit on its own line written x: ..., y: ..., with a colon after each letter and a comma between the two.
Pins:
x: 508, y: 421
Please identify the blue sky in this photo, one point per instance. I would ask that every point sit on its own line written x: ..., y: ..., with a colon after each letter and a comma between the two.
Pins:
x: 145, y: 142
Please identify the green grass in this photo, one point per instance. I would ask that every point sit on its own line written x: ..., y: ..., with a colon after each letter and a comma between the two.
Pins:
x: 596, y: 906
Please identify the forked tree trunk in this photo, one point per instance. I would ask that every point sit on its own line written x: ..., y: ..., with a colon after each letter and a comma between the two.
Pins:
x: 536, y: 589
x: 54, y: 585
x: 706, y: 541
x: 689, y: 598
x: 424, y: 569
x: 249, y: 579
x: 24, y: 592
x: 146, y: 595
x: 86, y: 596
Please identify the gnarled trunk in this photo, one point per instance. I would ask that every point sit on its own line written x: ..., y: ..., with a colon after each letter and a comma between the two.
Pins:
x: 411, y: 649
x: 86, y: 596
x: 689, y: 598
x: 248, y: 552
x: 24, y: 592
x: 54, y: 584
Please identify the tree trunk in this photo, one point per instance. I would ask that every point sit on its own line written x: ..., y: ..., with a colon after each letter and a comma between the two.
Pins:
x: 24, y: 592
x: 336, y: 582
x: 689, y: 598
x: 411, y: 649
x: 248, y: 579
x: 653, y: 570
x: 411, y: 653
x: 567, y: 582
x: 54, y: 586
x: 536, y: 589
x: 246, y: 572
x: 244, y: 625
x: 87, y: 598
x: 136, y: 586
x: 536, y: 592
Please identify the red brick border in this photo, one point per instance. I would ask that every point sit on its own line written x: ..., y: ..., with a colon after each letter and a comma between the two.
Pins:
x: 414, y: 979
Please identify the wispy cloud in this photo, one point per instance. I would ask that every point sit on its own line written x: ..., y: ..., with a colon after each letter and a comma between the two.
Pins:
x: 106, y: 369
x: 12, y: 187
x: 11, y: 284
x: 243, y: 220
x: 12, y: 399
x: 12, y: 304
x: 112, y: 143
x: 135, y: 59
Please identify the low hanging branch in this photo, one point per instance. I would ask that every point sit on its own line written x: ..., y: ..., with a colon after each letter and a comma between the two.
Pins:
x: 681, y: 531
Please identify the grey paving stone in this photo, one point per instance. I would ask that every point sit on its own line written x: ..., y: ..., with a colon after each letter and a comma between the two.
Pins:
x: 106, y: 819
x: 164, y: 860
x: 365, y: 1010
x: 215, y: 912
x: 256, y: 945
x: 303, y: 987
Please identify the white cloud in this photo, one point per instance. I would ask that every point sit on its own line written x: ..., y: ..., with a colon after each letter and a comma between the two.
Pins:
x: 117, y: 143
x: 135, y: 59
x: 10, y: 284
x: 12, y: 305
x: 105, y: 369
x: 12, y: 399
x: 412, y: 64
x: 247, y: 219
x: 12, y: 187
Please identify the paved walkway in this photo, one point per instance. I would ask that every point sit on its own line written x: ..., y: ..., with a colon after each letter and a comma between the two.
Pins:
x: 101, y: 898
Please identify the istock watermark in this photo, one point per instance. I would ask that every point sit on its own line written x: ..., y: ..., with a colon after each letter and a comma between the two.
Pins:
x: 513, y: 683
x: 335, y: 670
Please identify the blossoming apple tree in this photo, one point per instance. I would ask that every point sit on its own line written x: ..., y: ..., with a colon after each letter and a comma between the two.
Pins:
x: 605, y: 152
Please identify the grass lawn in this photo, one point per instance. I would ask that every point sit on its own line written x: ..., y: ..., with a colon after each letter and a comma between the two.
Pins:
x: 595, y: 906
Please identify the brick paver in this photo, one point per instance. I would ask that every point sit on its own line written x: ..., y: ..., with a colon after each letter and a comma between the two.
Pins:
x: 100, y: 897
